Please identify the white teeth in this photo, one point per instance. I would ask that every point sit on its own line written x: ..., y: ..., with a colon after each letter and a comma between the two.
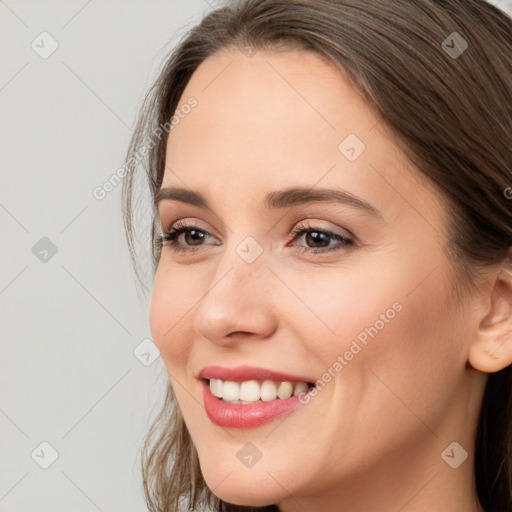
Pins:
x: 231, y: 390
x: 285, y: 390
x: 252, y: 390
x: 268, y: 391
x: 300, y: 388
x: 249, y: 391
x: 216, y: 387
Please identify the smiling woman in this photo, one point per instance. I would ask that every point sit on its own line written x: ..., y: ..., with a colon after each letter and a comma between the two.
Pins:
x: 332, y: 247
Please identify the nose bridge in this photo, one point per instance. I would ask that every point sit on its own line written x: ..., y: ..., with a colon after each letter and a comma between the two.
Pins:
x: 242, y: 265
x: 238, y: 299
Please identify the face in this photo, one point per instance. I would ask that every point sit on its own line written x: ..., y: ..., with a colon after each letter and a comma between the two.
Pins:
x: 359, y: 302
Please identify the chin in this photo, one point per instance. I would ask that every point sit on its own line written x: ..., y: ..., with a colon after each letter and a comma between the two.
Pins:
x: 243, y: 487
x: 254, y: 499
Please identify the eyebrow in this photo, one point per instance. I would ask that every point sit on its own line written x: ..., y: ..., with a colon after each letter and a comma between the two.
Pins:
x: 276, y: 199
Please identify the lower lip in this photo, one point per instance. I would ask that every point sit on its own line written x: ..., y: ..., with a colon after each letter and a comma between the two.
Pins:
x: 229, y: 415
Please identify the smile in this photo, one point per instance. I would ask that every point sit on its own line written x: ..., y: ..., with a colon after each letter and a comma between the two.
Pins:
x: 250, y: 413
x: 251, y: 391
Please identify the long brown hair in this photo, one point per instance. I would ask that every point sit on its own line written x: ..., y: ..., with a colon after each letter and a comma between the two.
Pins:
x: 450, y: 108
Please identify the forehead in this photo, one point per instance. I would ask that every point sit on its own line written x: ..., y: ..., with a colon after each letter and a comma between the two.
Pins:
x: 273, y: 101
x: 278, y: 118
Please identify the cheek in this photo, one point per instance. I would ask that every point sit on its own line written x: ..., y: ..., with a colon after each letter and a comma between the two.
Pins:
x: 339, y: 307
x: 382, y: 322
x: 411, y: 356
x: 170, y: 315
x: 398, y: 354
x: 394, y: 310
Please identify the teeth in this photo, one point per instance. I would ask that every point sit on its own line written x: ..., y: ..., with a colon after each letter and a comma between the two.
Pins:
x: 249, y: 391
x: 252, y: 390
x: 268, y: 391
x: 285, y: 390
x: 231, y: 390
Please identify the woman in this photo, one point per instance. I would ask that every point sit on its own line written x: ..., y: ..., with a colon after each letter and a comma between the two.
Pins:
x: 332, y: 246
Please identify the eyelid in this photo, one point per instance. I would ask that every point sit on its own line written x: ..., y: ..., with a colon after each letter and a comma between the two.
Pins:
x: 318, y: 226
x: 183, y: 222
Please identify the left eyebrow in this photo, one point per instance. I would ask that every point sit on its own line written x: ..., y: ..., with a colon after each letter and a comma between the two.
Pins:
x: 300, y: 195
x: 276, y: 199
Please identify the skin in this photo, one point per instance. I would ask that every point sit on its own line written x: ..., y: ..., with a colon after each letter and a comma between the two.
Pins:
x: 372, y: 438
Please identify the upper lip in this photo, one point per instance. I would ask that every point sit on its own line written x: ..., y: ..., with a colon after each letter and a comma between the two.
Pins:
x: 244, y: 373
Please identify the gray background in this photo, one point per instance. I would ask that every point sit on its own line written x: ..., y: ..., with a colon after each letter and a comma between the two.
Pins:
x: 75, y: 371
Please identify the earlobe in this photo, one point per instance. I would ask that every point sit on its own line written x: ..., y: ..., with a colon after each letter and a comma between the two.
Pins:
x: 493, y: 353
x: 491, y: 349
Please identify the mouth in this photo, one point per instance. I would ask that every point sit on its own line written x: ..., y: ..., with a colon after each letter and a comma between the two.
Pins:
x: 250, y: 404
x: 254, y: 391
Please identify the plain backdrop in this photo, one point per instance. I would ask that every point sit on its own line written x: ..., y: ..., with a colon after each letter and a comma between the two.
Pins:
x: 79, y: 376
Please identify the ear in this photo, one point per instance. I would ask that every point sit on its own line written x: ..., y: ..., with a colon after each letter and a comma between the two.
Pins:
x: 491, y: 349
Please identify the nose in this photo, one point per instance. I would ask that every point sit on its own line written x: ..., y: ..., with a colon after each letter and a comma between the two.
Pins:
x: 238, y: 303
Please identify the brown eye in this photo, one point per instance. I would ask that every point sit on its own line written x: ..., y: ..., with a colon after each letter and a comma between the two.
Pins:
x: 193, y: 236
x: 318, y: 240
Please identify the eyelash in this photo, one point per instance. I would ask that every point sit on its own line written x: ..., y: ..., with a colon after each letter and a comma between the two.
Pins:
x: 170, y: 238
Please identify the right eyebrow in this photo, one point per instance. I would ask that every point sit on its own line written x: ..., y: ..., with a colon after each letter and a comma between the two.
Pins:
x: 183, y: 195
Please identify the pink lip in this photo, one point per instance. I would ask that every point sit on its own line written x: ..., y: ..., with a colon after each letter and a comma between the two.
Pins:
x: 243, y: 373
x: 245, y: 415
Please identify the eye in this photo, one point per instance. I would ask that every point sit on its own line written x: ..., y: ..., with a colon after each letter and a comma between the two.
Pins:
x: 193, y: 236
x: 321, y: 237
